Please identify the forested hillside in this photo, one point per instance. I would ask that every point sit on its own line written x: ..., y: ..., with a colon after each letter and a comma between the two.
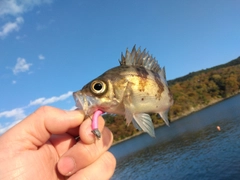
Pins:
x: 191, y: 93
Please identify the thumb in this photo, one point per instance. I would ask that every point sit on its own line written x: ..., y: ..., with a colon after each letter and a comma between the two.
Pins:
x: 37, y: 128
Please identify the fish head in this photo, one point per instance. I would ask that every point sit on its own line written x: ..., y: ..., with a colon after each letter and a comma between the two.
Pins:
x: 96, y: 95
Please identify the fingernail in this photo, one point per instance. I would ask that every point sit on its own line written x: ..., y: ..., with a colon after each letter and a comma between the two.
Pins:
x: 66, y: 166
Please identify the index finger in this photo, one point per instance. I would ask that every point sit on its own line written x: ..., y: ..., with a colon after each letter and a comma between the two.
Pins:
x: 37, y: 128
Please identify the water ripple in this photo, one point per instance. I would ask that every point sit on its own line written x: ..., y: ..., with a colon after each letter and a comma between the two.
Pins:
x: 204, y: 153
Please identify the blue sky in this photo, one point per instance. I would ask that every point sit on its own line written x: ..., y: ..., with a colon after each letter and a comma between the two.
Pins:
x: 50, y: 48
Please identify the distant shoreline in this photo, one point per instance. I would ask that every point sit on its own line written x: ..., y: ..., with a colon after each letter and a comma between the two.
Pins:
x: 187, y: 113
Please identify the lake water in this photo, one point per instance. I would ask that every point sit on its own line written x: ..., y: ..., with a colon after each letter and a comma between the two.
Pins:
x: 191, y: 148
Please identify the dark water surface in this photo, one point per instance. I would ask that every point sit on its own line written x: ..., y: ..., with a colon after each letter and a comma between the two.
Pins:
x: 191, y: 148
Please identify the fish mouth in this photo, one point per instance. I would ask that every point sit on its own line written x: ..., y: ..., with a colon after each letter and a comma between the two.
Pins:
x: 85, y: 103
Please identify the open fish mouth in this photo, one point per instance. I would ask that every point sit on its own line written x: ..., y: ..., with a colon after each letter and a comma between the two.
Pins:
x: 88, y: 105
x: 85, y: 103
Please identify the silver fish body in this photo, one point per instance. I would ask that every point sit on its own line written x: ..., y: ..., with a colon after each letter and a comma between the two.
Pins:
x: 137, y: 87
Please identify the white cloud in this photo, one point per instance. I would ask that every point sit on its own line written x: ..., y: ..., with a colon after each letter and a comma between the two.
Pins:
x: 10, y: 27
x: 17, y: 114
x: 73, y: 108
x: 38, y: 101
x: 10, y: 7
x: 16, y: 7
x: 21, y: 66
x: 41, y: 57
x: 4, y: 128
x: 14, y: 82
x: 44, y: 101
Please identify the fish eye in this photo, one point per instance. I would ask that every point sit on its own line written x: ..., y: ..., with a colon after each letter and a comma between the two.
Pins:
x: 98, y: 87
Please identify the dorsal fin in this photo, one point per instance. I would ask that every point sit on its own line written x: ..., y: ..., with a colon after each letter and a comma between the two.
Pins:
x: 139, y: 58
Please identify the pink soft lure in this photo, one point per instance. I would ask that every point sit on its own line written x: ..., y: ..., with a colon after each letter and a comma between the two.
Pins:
x: 95, y: 130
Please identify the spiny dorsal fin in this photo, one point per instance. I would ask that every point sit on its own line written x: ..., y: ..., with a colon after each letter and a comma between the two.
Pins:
x: 139, y: 58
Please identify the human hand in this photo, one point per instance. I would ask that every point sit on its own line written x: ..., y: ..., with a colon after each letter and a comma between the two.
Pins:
x: 43, y: 146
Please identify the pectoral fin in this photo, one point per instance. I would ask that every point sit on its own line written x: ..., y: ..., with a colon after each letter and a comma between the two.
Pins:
x: 128, y: 116
x: 129, y: 119
x: 164, y: 116
x: 144, y: 121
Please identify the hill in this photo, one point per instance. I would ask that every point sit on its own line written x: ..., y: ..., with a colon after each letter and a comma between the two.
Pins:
x: 191, y: 93
x: 190, y: 75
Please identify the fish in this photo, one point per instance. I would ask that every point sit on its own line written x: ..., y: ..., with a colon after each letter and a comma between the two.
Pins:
x: 135, y: 88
